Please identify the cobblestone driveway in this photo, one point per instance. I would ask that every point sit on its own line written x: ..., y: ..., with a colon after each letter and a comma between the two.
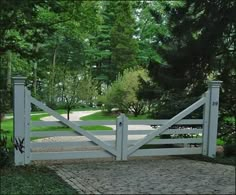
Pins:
x: 150, y: 176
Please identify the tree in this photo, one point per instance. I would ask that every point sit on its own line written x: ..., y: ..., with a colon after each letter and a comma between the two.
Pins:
x: 24, y: 25
x: 124, y: 46
x: 75, y: 88
x: 201, y: 46
x: 146, y: 29
x: 101, y: 52
x: 123, y: 93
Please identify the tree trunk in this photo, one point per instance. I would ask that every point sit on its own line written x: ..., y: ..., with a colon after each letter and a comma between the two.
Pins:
x: 52, y: 76
x: 35, y: 72
x: 68, y: 113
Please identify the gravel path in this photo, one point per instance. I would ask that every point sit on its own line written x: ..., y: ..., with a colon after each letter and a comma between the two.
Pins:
x: 166, y: 175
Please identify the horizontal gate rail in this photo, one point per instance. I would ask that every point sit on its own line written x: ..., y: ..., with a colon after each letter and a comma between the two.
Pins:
x: 67, y: 133
x: 61, y: 144
x: 182, y: 131
x: 53, y: 133
x: 176, y: 141
x: 78, y: 123
x: 110, y: 142
x: 166, y: 151
x: 163, y: 121
x: 111, y: 132
x: 106, y: 122
x: 168, y: 131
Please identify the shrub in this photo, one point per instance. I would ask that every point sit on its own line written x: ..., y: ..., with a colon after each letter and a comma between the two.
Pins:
x: 230, y: 150
x: 4, y: 152
x: 227, y: 130
x: 123, y: 93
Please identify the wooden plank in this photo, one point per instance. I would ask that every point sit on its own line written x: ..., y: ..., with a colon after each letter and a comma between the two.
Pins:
x: 140, y: 132
x: 163, y: 121
x: 103, y: 132
x: 61, y: 144
x: 131, y: 122
x: 89, y: 143
x: 182, y: 131
x: 67, y: 133
x: 53, y: 133
x: 176, y: 141
x: 69, y: 155
x: 78, y: 123
x: 47, y: 123
x: 108, y: 132
x: 73, y: 126
x: 167, y: 151
x: 169, y: 131
x: 168, y: 124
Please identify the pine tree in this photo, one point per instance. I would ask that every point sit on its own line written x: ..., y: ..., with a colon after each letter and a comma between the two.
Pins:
x: 103, y: 70
x: 123, y: 45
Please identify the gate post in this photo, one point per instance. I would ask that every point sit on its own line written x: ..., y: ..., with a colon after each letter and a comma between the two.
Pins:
x: 213, y: 101
x: 205, y: 124
x: 19, y: 118
x: 124, y: 155
x: 122, y: 137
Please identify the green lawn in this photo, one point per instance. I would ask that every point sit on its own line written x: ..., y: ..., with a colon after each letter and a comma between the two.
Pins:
x: 7, y: 126
x: 96, y: 127
x: 32, y: 180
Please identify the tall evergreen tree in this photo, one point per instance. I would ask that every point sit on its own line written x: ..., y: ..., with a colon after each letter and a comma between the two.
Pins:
x: 102, y: 69
x: 123, y: 44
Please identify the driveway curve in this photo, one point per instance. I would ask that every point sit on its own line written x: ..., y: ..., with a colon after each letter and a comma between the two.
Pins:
x: 74, y: 116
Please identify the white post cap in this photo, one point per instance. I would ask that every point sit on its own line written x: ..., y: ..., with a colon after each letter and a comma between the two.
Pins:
x: 214, y: 83
x: 19, y: 80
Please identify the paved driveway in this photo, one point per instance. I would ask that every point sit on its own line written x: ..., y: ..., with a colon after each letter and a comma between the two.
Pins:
x: 165, y: 175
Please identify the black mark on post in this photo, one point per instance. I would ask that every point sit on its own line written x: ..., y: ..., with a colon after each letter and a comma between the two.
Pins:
x: 214, y: 103
x: 19, y: 144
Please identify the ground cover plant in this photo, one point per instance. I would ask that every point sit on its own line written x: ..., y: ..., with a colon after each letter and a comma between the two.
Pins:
x: 32, y: 180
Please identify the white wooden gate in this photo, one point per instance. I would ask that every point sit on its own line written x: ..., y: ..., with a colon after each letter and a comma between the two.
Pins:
x: 121, y: 147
